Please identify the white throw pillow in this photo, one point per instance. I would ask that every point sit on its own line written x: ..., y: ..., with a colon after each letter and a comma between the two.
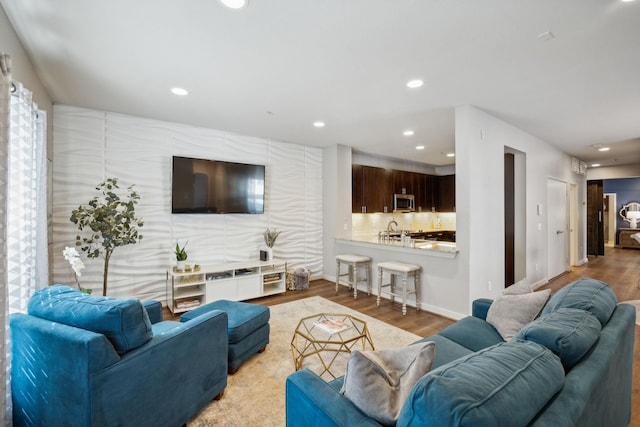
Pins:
x: 378, y: 382
x: 509, y: 313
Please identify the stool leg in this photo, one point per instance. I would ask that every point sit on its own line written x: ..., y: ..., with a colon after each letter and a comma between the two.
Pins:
x: 416, y: 283
x: 337, y: 274
x: 392, y: 286
x: 368, y: 272
x: 379, y: 285
x: 404, y: 294
x: 354, y: 279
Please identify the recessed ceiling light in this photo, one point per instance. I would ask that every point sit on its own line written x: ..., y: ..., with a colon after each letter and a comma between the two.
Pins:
x: 234, y: 4
x: 627, y: 1
x: 318, y: 124
x: 451, y: 154
x: 179, y: 91
x: 407, y: 133
x: 603, y: 149
x: 420, y: 147
x: 595, y: 165
x: 413, y: 84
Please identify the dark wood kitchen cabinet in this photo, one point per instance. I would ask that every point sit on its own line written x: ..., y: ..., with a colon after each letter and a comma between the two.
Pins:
x: 406, y: 182
x: 372, y: 189
x: 447, y: 193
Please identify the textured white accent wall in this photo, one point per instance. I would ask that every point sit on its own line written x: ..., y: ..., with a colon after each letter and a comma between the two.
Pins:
x: 91, y: 145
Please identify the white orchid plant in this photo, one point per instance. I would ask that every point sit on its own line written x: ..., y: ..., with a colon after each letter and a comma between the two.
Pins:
x: 72, y: 255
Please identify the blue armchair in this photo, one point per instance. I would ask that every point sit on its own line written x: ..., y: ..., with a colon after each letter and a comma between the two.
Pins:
x: 80, y: 360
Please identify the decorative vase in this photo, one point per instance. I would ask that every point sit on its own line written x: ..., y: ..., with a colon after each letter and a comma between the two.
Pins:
x: 269, y: 254
x: 180, y: 265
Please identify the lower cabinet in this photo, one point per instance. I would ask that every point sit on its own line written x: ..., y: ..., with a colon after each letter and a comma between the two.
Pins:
x: 625, y: 240
x: 234, y: 281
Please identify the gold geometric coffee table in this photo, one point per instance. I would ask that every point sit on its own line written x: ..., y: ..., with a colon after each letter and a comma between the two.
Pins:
x: 325, y: 336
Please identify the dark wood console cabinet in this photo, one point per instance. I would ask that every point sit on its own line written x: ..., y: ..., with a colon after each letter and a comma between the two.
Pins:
x: 625, y: 240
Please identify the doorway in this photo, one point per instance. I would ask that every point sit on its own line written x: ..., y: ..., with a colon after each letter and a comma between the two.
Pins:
x: 610, y: 219
x: 557, y: 228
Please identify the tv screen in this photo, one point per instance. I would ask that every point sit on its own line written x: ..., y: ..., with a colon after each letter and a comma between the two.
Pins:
x: 217, y: 187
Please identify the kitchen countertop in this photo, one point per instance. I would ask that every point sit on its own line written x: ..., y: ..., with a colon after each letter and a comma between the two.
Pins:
x: 428, y: 247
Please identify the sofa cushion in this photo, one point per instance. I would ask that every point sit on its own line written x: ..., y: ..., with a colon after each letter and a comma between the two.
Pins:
x: 124, y: 322
x: 378, y: 382
x: 507, y: 384
x: 585, y: 294
x: 472, y: 333
x: 447, y: 350
x: 568, y: 332
x: 509, y: 313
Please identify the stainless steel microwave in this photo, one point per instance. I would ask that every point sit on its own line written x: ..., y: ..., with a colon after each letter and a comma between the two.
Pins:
x: 404, y: 203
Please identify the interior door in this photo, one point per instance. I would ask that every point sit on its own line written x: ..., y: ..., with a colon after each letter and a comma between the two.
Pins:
x: 557, y: 228
x: 595, y: 226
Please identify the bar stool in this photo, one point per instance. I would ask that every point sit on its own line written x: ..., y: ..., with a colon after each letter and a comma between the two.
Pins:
x: 394, y: 268
x: 354, y: 262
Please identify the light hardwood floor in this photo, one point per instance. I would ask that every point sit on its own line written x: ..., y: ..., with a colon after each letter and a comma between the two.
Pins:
x: 620, y: 268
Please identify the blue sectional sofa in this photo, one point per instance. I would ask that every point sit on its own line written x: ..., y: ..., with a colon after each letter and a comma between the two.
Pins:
x: 572, y: 366
x: 80, y: 360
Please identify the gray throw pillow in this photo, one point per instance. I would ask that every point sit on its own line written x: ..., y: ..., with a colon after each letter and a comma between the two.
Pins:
x: 517, y: 289
x: 378, y: 382
x: 509, y: 313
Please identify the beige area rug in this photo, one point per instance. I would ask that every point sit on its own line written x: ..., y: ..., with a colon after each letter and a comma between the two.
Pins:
x: 255, y: 395
x: 635, y: 303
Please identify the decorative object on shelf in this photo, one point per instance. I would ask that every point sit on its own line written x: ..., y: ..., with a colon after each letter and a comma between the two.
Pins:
x: 111, y: 220
x: 181, y: 256
x: 72, y: 255
x: 631, y: 213
x: 270, y: 237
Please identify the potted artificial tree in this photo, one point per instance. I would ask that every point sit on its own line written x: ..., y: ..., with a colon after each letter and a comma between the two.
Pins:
x: 111, y: 220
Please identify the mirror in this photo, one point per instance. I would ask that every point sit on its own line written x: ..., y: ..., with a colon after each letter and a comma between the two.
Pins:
x: 631, y: 213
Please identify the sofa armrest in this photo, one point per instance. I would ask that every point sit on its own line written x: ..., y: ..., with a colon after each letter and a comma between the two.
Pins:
x: 480, y: 308
x: 154, y: 310
x: 312, y: 402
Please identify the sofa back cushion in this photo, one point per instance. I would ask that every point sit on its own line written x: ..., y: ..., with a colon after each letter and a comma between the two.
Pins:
x: 568, y: 332
x: 124, y: 322
x: 507, y: 383
x: 585, y: 294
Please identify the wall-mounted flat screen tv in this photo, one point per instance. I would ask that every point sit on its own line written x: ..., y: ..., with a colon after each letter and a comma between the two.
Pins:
x: 216, y: 187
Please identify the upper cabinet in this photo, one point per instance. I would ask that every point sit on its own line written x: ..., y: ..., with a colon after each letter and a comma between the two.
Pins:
x: 373, y: 189
x: 447, y: 196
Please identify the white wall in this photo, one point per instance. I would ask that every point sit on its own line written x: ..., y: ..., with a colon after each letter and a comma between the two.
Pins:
x: 91, y: 145
x: 480, y: 142
x: 337, y: 202
x: 614, y: 172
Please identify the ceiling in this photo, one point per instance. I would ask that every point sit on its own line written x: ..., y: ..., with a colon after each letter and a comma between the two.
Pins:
x: 275, y: 67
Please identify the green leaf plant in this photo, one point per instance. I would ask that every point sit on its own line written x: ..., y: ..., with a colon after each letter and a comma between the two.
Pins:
x: 110, y: 219
x: 181, y: 254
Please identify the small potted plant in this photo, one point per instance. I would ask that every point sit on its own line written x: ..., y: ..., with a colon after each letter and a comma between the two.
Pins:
x: 270, y: 237
x: 181, y: 256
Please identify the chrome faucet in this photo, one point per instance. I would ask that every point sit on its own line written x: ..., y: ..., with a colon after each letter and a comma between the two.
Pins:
x: 393, y: 221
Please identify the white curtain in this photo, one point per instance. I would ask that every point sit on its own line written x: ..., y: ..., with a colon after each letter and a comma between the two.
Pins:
x: 5, y: 96
x: 23, y: 213
x: 27, y: 263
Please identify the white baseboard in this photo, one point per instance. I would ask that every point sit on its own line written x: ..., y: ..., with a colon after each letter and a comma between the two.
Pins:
x: 583, y: 261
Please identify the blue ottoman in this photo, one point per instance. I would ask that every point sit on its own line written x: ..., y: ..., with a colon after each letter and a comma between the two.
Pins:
x: 248, y: 328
